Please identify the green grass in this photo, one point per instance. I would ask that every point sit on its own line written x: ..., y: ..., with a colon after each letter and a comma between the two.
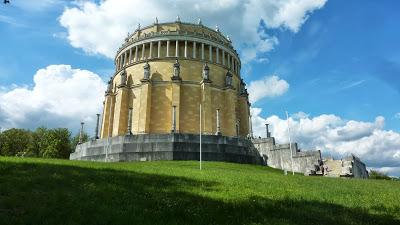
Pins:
x: 39, y: 191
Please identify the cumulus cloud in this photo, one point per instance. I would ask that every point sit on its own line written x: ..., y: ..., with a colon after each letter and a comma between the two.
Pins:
x: 337, y: 137
x: 60, y: 97
x: 99, y: 27
x: 269, y: 86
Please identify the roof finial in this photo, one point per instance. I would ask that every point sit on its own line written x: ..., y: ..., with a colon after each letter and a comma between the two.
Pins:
x: 217, y: 28
x: 199, y: 21
x: 156, y: 21
x: 178, y: 19
x: 227, y: 37
x: 138, y: 26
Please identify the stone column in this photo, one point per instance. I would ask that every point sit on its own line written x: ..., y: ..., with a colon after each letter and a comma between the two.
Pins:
x: 81, y: 134
x: 229, y: 60
x: 194, y: 49
x: 223, y: 57
x: 96, y: 131
x: 210, y: 51
x: 143, y: 50
x: 159, y: 49
x: 129, y: 131
x: 167, y: 55
x: 136, y: 53
x: 130, y: 56
x: 217, y: 53
x: 202, y: 51
x: 176, y: 48
x: 125, y: 58
x: 218, y: 124
x: 185, y: 49
x: 151, y: 50
x: 173, y: 130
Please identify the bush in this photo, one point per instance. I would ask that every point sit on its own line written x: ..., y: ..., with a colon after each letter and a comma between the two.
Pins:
x: 14, y: 142
x: 43, y: 142
x: 374, y: 174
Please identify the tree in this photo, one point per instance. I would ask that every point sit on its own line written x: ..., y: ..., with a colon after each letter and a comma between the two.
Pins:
x: 15, y: 142
x: 37, y: 142
x: 374, y: 174
x: 55, y: 143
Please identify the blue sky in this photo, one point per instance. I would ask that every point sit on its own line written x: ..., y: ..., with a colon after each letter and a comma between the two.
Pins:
x: 338, y: 63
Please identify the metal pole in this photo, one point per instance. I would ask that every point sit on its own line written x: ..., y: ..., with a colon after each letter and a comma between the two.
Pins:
x: 200, y: 136
x: 290, y: 142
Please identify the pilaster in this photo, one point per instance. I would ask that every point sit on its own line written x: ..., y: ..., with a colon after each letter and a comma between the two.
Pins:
x: 176, y: 101
x: 144, y: 107
x: 108, y: 116
x: 229, y: 113
x: 121, y: 111
x: 207, y: 107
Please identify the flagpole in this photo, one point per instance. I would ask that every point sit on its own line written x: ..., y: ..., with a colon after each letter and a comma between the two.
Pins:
x: 290, y: 141
x: 200, y: 135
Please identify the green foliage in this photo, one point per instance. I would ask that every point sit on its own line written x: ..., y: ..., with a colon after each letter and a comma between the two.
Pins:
x: 374, y: 174
x: 14, y: 142
x: 43, y: 191
x: 43, y: 142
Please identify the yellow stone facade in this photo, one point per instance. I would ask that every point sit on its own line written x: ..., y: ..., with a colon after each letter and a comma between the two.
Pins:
x: 161, y: 79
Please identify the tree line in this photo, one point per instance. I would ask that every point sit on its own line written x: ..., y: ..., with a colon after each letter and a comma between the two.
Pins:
x: 42, y: 142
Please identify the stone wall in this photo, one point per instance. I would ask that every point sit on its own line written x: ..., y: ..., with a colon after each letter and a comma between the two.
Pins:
x: 281, y: 156
x: 152, y: 147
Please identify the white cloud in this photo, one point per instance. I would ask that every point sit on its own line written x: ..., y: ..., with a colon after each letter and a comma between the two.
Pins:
x: 60, y: 97
x: 99, y: 28
x: 336, y: 136
x: 269, y: 86
x: 397, y: 115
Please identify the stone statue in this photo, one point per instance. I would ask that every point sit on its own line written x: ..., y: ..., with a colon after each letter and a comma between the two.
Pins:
x: 206, y: 72
x: 146, y: 69
x: 243, y: 89
x: 199, y: 21
x: 110, y: 86
x: 228, y: 79
x: 123, y: 78
x: 177, y: 69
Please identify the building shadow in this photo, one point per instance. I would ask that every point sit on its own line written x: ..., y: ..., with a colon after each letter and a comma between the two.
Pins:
x: 45, y: 193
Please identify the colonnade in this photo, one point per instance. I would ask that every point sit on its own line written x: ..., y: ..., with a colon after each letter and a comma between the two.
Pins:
x: 191, y: 50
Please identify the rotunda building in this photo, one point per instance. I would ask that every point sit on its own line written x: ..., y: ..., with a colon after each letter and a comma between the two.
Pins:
x: 164, y: 72
x: 171, y: 81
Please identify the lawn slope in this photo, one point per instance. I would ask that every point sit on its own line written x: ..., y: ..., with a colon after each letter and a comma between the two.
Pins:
x: 38, y: 191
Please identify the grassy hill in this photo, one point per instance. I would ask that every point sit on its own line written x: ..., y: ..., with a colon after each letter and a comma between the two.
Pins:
x: 39, y: 191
